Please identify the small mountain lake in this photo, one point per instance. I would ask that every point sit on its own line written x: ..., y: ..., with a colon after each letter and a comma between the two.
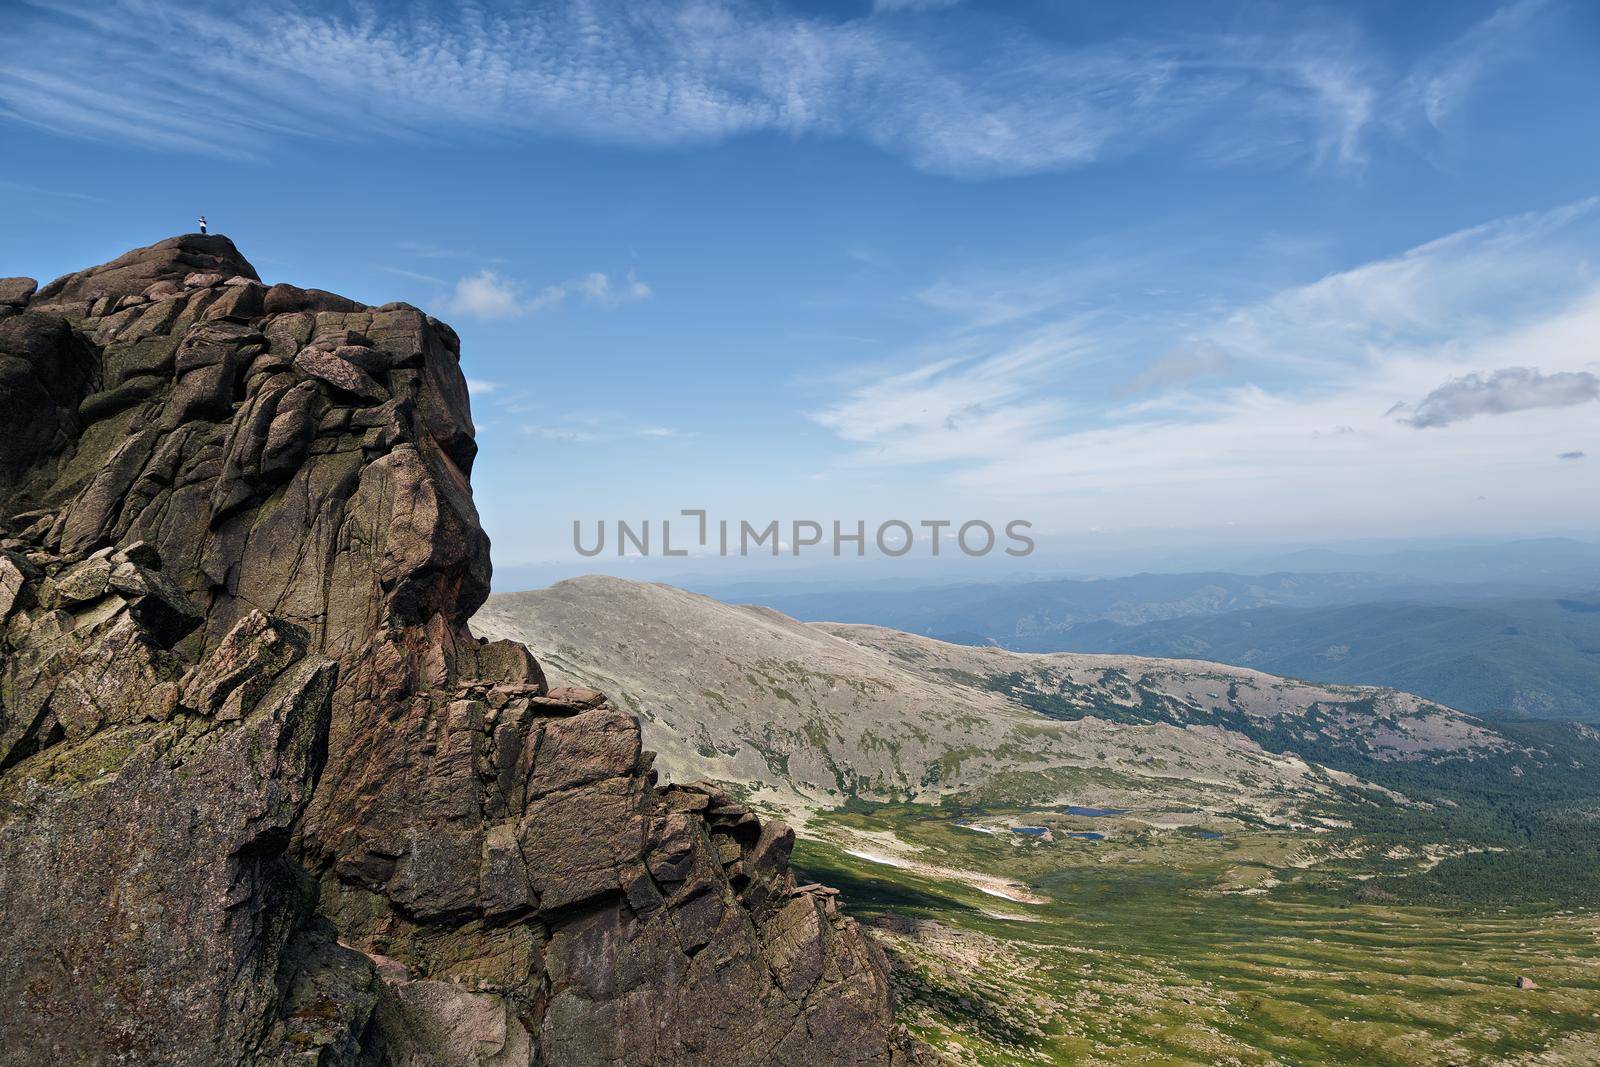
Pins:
x: 1040, y: 831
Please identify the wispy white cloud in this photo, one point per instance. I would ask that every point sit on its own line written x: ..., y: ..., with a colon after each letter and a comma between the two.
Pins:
x: 477, y: 387
x: 424, y: 250
x: 535, y: 418
x: 1345, y: 97
x: 598, y: 288
x: 1180, y: 365
x: 960, y: 406
x: 1301, y: 414
x: 563, y: 434
x: 913, y: 5
x: 415, y: 276
x: 185, y: 75
x: 585, y: 431
x: 59, y: 194
x: 1460, y: 286
x: 488, y: 294
x: 1442, y: 81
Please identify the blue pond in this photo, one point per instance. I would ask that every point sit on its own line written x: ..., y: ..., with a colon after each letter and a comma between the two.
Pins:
x: 1209, y: 835
x: 1040, y: 831
x: 1095, y: 813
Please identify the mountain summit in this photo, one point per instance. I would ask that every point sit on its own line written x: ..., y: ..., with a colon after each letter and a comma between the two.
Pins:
x: 264, y: 798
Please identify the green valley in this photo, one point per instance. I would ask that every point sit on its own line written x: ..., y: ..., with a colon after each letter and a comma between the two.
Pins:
x: 1166, y: 946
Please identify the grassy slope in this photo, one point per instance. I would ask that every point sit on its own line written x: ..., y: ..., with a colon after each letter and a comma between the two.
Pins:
x: 1168, y: 948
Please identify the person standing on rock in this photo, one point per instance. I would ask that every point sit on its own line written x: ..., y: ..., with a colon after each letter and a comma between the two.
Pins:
x: 202, y: 224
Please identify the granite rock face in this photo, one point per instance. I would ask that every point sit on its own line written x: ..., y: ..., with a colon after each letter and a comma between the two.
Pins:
x: 263, y: 796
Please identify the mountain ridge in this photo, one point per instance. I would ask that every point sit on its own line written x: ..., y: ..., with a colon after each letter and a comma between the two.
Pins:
x: 823, y: 698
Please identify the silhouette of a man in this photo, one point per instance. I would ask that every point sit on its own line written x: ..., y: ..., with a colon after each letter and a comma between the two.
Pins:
x: 202, y: 224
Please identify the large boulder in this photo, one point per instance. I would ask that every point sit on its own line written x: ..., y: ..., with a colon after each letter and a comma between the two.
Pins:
x: 16, y: 292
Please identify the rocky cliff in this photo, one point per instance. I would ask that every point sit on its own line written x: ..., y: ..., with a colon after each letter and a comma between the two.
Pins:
x: 263, y: 796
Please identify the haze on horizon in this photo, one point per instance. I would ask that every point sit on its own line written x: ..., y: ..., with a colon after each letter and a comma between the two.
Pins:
x: 1269, y: 274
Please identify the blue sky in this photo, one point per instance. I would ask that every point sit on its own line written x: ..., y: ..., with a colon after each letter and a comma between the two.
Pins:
x: 1145, y: 275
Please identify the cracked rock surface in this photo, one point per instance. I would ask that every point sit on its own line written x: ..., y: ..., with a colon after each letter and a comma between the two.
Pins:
x: 264, y: 798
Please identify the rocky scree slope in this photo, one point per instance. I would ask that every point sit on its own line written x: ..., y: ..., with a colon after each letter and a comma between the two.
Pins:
x: 264, y: 798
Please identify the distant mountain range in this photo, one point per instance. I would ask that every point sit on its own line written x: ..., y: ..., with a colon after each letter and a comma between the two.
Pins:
x: 1538, y: 658
x: 1496, y: 641
x: 1533, y: 563
x: 1031, y: 616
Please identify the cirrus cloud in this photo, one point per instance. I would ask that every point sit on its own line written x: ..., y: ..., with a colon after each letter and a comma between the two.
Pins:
x: 186, y: 75
x: 1037, y: 406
